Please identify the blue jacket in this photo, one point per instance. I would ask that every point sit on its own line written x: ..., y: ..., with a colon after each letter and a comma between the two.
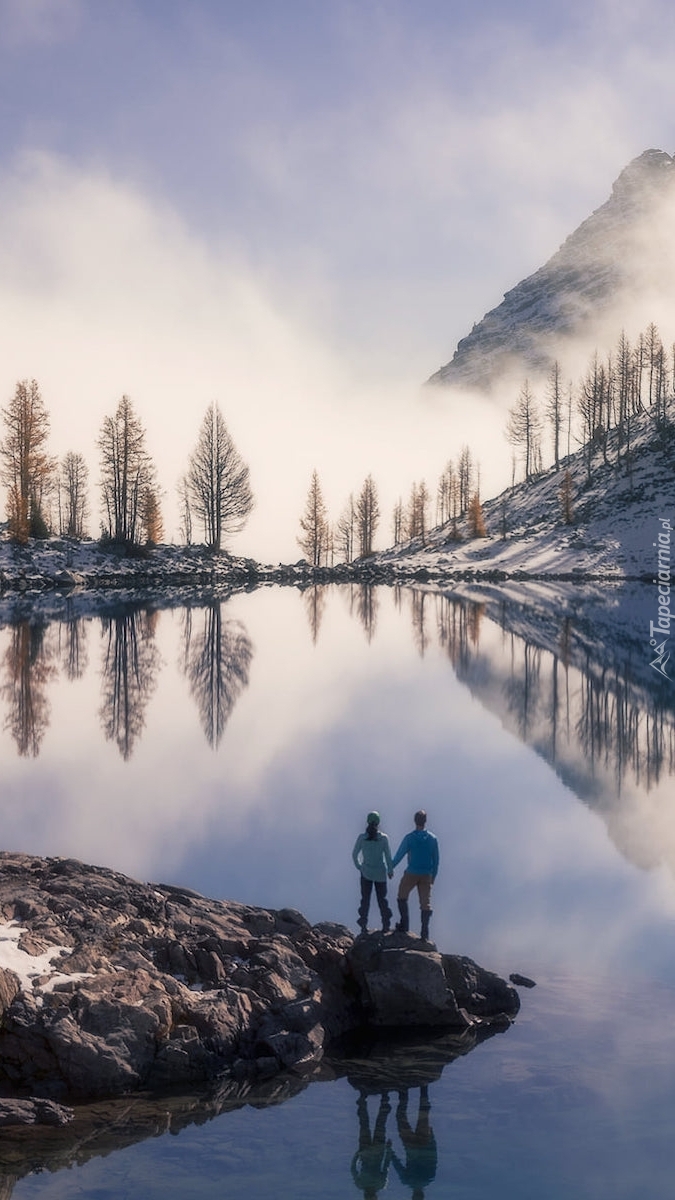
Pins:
x: 422, y: 850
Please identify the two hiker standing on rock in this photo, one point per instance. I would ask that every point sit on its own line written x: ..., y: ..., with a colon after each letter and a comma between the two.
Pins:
x: 372, y: 856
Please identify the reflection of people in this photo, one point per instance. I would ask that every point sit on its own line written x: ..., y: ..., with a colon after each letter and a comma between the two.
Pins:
x: 421, y: 1155
x: 421, y: 846
x: 372, y: 856
x: 370, y: 1164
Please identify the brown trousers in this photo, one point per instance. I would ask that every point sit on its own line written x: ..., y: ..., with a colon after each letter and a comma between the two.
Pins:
x: 423, y: 885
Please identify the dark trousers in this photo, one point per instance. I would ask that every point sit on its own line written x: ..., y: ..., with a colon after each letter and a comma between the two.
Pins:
x: 367, y: 886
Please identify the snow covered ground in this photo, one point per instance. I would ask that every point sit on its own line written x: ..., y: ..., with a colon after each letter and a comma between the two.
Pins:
x: 617, y: 519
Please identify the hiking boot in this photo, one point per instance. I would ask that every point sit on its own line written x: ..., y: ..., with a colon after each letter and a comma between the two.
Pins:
x: 403, y: 925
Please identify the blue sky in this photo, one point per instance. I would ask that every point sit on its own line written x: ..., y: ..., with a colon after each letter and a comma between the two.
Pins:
x: 297, y: 209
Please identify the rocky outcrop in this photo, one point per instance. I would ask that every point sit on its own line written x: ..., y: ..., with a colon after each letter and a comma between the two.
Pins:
x: 108, y: 985
x: 404, y: 982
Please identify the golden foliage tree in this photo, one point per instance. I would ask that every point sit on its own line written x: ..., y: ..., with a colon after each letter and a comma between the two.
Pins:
x: 567, y: 498
x: 25, y: 468
x: 475, y: 517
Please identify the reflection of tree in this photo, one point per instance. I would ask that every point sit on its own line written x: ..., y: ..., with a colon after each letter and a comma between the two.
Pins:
x: 458, y: 625
x: 73, y: 647
x: 367, y: 604
x: 314, y: 600
x: 130, y: 669
x: 615, y: 728
x: 565, y: 701
x: 523, y: 690
x: 216, y: 663
x: 418, y: 606
x: 28, y: 669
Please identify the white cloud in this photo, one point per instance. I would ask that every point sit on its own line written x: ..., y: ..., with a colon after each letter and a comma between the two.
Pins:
x: 104, y: 291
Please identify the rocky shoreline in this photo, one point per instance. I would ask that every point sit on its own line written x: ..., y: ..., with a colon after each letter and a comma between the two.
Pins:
x: 109, y: 987
x: 61, y: 566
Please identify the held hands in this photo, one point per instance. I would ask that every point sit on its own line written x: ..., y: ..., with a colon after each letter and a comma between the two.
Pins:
x: 391, y: 874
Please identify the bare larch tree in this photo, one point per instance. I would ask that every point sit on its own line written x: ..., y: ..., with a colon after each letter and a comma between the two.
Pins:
x: 217, y: 481
x: 73, y: 501
x: 367, y: 517
x: 314, y: 525
x: 127, y: 472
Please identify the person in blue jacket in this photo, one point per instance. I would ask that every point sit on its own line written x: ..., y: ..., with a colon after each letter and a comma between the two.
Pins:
x: 421, y: 847
x: 372, y: 856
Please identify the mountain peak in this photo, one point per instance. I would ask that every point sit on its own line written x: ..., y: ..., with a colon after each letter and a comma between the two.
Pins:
x: 575, y: 288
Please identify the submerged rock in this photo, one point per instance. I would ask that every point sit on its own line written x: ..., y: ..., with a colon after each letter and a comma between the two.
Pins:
x: 108, y: 986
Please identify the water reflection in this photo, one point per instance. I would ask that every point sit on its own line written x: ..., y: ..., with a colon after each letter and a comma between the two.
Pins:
x: 28, y: 667
x: 73, y: 649
x: 129, y: 676
x: 416, y: 1166
x: 577, y: 690
x: 603, y: 726
x: 403, y: 1067
x: 216, y: 661
x: 370, y: 1164
x: 363, y: 604
x: 314, y: 601
x: 421, y: 1154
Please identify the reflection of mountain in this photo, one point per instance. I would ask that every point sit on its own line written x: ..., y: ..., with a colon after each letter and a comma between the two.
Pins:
x: 216, y: 662
x: 130, y: 668
x: 580, y: 694
x: 28, y: 667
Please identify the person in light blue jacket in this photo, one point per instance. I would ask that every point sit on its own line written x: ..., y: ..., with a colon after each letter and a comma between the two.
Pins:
x: 372, y: 857
x: 421, y: 846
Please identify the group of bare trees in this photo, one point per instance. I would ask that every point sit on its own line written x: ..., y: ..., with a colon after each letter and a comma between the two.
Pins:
x: 44, y: 495
x: 457, y: 496
x: 634, y: 378
x: 353, y: 534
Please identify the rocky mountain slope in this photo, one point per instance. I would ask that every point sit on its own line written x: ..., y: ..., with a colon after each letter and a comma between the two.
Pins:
x: 617, y: 250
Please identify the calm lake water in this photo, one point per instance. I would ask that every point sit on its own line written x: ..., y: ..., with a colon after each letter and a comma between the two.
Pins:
x: 236, y: 748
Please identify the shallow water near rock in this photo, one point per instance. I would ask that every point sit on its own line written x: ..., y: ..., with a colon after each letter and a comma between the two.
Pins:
x: 235, y: 749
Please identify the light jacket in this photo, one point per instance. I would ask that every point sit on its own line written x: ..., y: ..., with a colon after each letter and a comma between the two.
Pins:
x: 372, y: 856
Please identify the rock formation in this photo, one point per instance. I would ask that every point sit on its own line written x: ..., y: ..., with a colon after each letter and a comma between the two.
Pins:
x: 108, y: 986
